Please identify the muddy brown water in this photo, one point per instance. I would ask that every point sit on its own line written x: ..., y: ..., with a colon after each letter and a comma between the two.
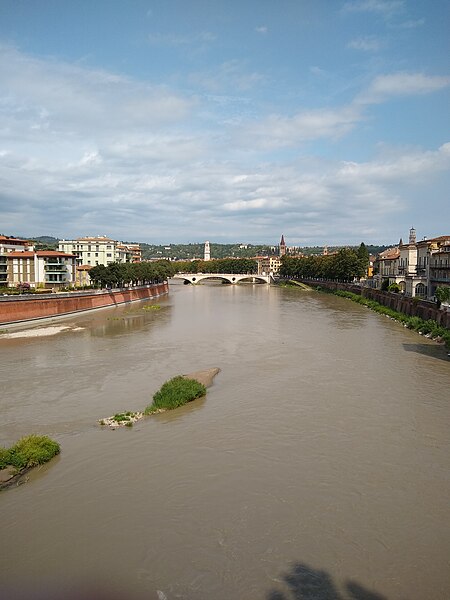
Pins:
x: 316, y: 467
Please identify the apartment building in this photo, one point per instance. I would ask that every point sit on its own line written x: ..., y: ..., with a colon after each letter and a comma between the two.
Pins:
x: 10, y: 244
x: 100, y: 250
x: 42, y: 268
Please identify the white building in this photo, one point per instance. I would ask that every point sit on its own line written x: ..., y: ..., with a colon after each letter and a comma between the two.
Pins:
x: 100, y: 250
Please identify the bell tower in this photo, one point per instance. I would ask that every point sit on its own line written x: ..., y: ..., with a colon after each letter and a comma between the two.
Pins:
x: 207, y: 254
x: 282, y: 246
x: 412, y: 236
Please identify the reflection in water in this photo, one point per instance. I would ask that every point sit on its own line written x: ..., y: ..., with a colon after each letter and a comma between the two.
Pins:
x: 431, y: 349
x: 306, y: 583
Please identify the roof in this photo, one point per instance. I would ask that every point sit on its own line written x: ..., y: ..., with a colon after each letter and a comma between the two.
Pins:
x: 13, y: 240
x: 39, y: 253
x: 84, y: 267
x: 389, y: 254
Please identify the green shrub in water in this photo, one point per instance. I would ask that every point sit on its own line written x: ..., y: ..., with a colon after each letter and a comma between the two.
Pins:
x: 175, y: 393
x: 29, y: 451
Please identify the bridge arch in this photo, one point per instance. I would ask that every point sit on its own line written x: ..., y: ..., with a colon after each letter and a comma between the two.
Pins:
x: 232, y: 278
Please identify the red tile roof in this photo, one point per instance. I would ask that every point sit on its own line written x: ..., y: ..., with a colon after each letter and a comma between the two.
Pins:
x: 43, y: 253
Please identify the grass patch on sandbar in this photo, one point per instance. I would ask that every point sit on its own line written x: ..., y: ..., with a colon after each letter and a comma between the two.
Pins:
x: 174, y: 393
x: 29, y: 451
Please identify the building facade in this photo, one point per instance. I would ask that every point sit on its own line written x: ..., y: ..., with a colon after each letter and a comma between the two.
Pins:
x: 418, y: 268
x: 42, y: 268
x: 101, y: 250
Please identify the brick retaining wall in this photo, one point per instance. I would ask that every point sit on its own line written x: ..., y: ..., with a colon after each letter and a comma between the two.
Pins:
x: 31, y: 307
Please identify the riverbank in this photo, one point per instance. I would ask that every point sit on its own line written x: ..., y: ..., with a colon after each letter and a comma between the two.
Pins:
x: 19, y: 309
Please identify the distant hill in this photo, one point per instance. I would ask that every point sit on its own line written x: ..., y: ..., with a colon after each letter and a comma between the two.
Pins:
x: 45, y: 242
x: 196, y: 250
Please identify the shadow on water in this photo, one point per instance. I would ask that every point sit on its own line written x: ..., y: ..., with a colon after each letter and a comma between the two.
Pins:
x: 432, y: 350
x: 305, y: 583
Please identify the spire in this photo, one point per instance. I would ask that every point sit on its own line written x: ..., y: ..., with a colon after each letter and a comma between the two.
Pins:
x: 282, y: 246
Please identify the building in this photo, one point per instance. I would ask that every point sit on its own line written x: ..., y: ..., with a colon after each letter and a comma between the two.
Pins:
x: 282, y: 246
x: 271, y: 264
x: 40, y: 269
x: 100, y: 250
x: 438, y: 263
x: 207, y: 253
x: 268, y: 265
x: 418, y: 268
x: 10, y: 244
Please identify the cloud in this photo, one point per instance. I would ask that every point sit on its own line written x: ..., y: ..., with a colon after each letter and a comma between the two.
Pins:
x: 230, y: 75
x: 88, y: 151
x: 277, y: 131
x: 40, y: 94
x: 382, y: 7
x: 384, y: 87
x: 262, y: 29
x: 367, y: 43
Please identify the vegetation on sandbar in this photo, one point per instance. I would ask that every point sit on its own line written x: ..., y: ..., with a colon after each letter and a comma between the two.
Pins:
x: 29, y: 451
x: 124, y: 418
x: 174, y: 393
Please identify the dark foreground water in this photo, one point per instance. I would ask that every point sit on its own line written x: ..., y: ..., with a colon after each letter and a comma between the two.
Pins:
x: 316, y: 467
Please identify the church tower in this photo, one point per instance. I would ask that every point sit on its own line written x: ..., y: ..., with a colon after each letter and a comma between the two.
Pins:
x: 412, y: 236
x: 207, y: 255
x: 282, y: 246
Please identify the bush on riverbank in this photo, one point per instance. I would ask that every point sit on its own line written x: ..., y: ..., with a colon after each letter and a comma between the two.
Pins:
x: 175, y: 393
x: 429, y: 327
x: 29, y: 451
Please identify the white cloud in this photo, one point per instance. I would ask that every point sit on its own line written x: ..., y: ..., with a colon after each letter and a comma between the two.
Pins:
x: 383, y: 7
x: 277, y: 131
x: 384, y: 87
x: 410, y: 24
x: 367, y: 43
x: 262, y: 29
x: 135, y: 161
x: 230, y: 75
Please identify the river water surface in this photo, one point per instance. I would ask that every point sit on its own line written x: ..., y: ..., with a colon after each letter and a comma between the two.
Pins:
x: 316, y: 467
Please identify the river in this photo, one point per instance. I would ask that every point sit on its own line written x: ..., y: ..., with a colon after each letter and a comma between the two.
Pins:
x: 317, y: 466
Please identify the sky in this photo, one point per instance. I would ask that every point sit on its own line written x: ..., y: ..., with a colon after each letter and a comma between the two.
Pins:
x: 177, y: 121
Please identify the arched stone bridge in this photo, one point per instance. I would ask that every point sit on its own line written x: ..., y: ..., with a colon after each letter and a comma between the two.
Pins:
x: 232, y: 278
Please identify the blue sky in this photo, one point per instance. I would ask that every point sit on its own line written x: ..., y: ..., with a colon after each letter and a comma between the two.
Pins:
x: 184, y: 120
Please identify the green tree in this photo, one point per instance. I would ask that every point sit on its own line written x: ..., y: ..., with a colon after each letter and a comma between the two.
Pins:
x: 442, y: 294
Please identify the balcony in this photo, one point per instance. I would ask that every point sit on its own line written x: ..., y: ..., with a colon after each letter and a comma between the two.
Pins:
x: 55, y: 267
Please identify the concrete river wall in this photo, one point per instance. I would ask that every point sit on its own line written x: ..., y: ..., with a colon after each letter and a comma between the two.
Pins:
x: 14, y: 309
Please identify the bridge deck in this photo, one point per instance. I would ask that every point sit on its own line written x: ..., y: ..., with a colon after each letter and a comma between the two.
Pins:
x: 232, y: 278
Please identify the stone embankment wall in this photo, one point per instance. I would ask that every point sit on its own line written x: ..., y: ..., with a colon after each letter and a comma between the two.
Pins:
x: 14, y: 309
x: 412, y: 307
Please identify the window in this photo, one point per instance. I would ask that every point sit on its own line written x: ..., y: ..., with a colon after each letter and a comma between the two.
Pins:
x: 109, y: 255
